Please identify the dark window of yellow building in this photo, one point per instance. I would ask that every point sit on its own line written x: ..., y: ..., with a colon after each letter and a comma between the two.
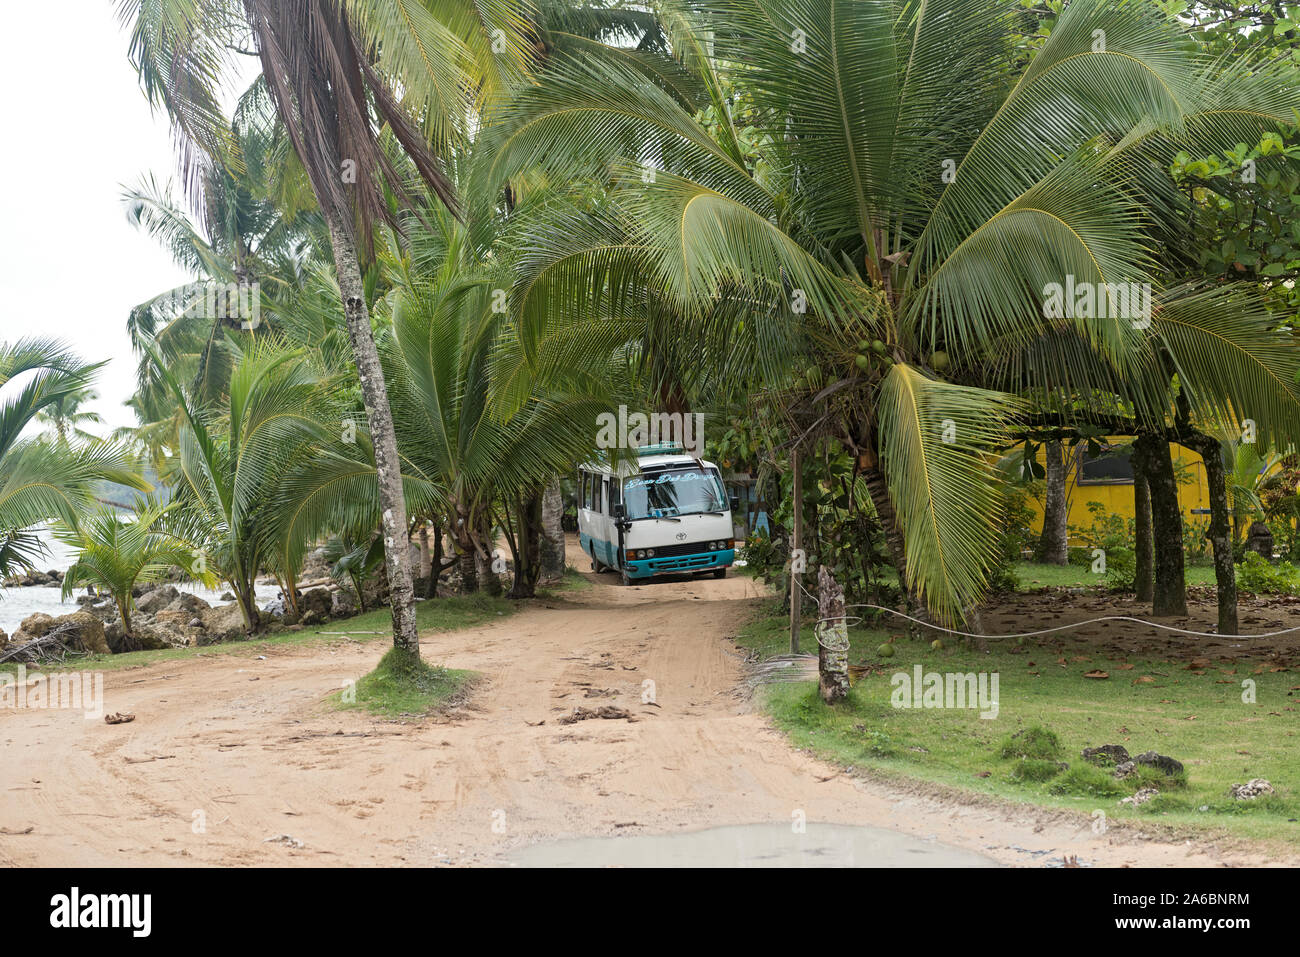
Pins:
x: 1112, y: 467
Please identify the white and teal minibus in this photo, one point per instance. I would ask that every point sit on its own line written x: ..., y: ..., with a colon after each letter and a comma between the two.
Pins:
x: 667, y: 514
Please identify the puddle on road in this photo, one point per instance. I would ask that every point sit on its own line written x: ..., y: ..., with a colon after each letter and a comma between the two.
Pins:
x: 752, y: 845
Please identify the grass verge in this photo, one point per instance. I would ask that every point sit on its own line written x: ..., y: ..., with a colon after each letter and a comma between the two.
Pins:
x: 438, y: 614
x: 1047, y: 713
x: 402, y: 686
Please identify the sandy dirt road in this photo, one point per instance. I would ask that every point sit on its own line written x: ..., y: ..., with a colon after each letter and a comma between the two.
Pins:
x: 247, y: 747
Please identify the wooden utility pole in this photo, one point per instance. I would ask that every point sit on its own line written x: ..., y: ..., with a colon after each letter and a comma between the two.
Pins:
x: 796, y: 542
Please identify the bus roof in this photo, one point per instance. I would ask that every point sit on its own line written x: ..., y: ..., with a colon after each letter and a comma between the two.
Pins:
x: 648, y: 457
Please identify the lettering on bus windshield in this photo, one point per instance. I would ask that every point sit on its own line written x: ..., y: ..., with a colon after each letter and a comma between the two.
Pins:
x: 679, y: 492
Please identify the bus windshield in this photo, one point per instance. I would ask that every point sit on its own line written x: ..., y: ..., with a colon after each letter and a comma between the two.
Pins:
x: 674, y: 492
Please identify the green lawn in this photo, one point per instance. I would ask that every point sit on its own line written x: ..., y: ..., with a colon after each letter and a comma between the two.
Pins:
x: 1199, y: 719
x: 1033, y: 576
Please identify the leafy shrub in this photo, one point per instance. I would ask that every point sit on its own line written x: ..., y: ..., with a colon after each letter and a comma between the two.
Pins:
x: 1017, y: 534
x: 1107, y: 530
x: 1256, y: 574
x: 1121, y: 569
x: 1035, y: 742
x: 1033, y: 770
x: 1080, y: 556
x: 1196, y: 546
x: 1003, y: 579
x: 1088, y: 781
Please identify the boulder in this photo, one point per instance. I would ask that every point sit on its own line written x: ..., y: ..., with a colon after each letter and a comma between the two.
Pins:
x: 189, y: 604
x: 1106, y: 754
x: 312, y: 617
x: 105, y: 611
x: 316, y: 600
x: 35, y: 625
x: 375, y: 590
x: 85, y: 631
x: 1161, y: 761
x: 1125, y: 769
x: 172, y: 620
x: 1142, y: 796
x: 222, y: 623
x: 1251, y: 789
x: 113, y: 635
x: 157, y: 599
x: 148, y: 637
x: 343, y: 603
x: 4, y: 639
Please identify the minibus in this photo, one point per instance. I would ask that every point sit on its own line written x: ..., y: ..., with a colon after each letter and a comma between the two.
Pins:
x: 666, y: 513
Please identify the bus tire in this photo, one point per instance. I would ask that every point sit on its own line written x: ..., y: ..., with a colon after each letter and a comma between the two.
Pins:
x: 720, y: 572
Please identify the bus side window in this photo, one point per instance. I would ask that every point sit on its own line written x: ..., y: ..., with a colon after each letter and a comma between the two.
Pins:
x: 604, y: 496
x: 615, y: 493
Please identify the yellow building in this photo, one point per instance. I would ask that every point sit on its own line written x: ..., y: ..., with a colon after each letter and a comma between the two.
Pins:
x: 1108, y: 479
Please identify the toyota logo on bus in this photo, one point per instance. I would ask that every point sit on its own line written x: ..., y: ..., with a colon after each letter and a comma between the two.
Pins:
x: 681, y: 536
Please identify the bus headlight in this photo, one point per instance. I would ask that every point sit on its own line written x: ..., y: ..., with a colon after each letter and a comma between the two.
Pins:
x: 649, y: 553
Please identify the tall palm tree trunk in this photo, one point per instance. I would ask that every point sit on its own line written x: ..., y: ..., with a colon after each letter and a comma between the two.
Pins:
x: 553, y: 560
x: 426, y: 560
x: 484, y: 557
x: 1169, y: 593
x: 1143, y: 550
x: 1053, y: 546
x: 528, y: 558
x: 1225, y: 575
x: 397, y: 559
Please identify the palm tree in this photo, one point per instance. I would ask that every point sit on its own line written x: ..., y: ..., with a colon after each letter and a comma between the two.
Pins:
x: 42, y: 481
x: 245, y: 228
x: 65, y: 416
x: 909, y: 190
x: 1248, y: 469
x: 330, y: 68
x: 232, y: 460
x: 115, y: 553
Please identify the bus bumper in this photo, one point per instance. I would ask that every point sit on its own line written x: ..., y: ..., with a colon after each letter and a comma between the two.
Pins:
x: 680, y: 564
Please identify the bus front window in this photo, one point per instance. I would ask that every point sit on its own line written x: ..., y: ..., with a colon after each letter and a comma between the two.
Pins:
x: 675, y: 492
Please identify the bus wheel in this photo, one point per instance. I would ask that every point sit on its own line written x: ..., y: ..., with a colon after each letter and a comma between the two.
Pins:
x: 720, y: 572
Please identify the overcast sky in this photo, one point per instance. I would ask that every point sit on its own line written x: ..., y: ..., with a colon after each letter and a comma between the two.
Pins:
x: 77, y: 130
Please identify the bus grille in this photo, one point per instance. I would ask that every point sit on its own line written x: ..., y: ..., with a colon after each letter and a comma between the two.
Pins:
x: 686, y: 561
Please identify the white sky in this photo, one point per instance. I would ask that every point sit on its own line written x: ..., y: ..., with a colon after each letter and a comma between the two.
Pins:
x: 77, y: 132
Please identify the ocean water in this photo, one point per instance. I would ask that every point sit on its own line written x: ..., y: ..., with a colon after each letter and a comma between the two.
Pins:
x: 17, y: 603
